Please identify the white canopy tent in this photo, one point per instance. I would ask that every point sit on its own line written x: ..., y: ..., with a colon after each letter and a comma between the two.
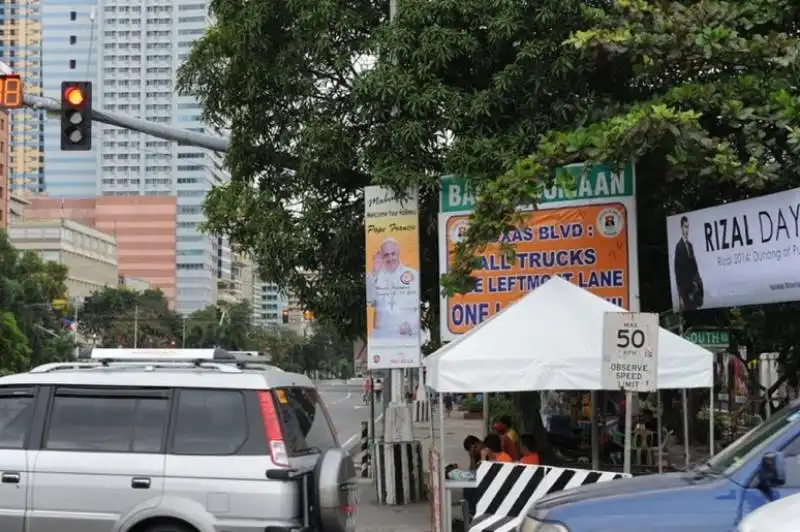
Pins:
x: 551, y: 340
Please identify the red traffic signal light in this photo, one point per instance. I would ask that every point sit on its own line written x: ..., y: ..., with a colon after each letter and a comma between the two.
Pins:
x: 74, y: 96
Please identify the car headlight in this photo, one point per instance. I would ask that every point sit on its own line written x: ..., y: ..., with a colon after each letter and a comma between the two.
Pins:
x: 532, y: 525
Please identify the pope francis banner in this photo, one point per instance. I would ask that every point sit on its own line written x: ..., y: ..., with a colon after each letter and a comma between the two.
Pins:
x: 392, y: 279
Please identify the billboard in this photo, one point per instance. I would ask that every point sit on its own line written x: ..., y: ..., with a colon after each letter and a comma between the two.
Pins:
x: 392, y: 279
x: 586, y: 235
x: 742, y: 253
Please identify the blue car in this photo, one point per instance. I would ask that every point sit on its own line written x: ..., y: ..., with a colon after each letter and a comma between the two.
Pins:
x: 758, y: 468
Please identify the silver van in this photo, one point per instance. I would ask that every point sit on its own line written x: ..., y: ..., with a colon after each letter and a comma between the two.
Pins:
x: 169, y: 446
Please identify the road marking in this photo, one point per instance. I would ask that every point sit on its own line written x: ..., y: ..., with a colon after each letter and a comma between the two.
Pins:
x: 352, y: 439
x: 346, y: 398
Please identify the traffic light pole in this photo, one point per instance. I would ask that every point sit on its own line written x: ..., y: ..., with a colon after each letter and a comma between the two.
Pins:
x: 189, y: 138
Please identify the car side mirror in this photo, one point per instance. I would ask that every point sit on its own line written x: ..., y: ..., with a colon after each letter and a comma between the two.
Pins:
x: 772, y: 472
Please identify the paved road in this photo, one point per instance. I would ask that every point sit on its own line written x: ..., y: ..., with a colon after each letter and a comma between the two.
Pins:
x: 346, y: 411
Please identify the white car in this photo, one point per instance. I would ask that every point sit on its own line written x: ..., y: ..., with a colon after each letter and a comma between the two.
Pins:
x: 782, y: 515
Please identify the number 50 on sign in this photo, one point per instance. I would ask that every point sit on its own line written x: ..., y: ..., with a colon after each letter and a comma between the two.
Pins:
x: 630, y: 351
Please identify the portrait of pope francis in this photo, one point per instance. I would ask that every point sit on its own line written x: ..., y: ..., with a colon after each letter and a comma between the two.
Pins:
x: 393, y: 291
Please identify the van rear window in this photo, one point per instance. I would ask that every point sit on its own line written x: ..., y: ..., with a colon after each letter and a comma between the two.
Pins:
x: 306, y: 427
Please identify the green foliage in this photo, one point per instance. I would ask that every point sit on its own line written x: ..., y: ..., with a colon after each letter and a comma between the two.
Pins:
x: 501, y: 407
x: 700, y: 93
x: 709, y: 108
x: 14, y: 349
x: 30, y: 330
x: 230, y: 328
x: 115, y: 315
x: 324, y: 350
x: 472, y: 404
x: 314, y: 121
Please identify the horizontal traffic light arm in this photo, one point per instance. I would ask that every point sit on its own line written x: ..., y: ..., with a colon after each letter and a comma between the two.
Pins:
x: 189, y: 138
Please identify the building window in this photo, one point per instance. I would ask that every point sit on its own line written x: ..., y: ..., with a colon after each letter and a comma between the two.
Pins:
x: 72, y: 64
x: 73, y: 39
x: 73, y: 15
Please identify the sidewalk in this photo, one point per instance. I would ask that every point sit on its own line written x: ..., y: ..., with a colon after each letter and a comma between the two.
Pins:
x: 456, y: 428
x: 372, y: 517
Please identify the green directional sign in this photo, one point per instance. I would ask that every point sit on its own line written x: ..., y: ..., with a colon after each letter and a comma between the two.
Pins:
x: 709, y: 338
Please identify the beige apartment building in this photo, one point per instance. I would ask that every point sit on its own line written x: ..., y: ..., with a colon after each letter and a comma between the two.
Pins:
x: 16, y: 208
x: 89, y: 255
x: 240, y: 285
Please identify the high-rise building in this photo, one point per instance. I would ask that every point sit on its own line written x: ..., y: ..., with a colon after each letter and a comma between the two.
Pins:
x: 69, y: 53
x: 267, y: 304
x: 144, y: 229
x: 21, y: 49
x: 142, y: 47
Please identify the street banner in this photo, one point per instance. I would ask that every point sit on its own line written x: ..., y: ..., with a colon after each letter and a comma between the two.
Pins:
x: 587, y: 235
x: 392, y: 279
x: 741, y: 253
x: 630, y: 351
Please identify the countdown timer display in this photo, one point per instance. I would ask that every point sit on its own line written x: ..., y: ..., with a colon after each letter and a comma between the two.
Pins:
x: 10, y: 91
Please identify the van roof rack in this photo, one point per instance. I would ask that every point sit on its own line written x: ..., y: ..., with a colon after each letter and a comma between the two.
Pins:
x: 139, y: 363
x: 215, y: 354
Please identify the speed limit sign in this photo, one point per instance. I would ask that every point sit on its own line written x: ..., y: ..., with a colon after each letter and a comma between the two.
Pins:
x: 630, y: 351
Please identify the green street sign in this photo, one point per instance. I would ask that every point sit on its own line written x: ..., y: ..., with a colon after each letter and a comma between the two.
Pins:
x: 597, y: 183
x: 709, y: 338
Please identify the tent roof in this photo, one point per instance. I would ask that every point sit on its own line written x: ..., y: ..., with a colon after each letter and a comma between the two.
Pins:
x: 551, y: 340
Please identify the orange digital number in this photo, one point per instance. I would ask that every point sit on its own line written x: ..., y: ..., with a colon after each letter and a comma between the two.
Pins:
x: 12, y: 92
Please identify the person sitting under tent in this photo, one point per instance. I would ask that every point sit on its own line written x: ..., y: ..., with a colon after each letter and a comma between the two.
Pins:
x: 530, y: 454
x: 493, y: 449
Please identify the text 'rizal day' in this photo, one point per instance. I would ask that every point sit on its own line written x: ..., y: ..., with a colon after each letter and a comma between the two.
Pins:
x: 779, y: 226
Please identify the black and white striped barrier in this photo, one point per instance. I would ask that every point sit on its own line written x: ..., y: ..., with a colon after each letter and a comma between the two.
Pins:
x: 508, y: 491
x: 422, y: 411
x: 364, y: 457
x: 399, y: 473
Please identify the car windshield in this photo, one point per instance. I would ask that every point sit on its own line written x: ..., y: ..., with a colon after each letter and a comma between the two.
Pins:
x: 754, y: 441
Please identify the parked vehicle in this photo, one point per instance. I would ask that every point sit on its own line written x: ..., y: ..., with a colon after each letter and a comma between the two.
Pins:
x: 760, y: 467
x: 169, y: 445
x: 782, y: 515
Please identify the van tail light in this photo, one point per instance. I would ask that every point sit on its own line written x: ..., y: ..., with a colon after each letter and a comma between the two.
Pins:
x: 272, y: 429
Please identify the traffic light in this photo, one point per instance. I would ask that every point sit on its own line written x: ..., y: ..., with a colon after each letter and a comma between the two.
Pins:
x: 308, y: 315
x: 76, y: 115
x: 285, y: 316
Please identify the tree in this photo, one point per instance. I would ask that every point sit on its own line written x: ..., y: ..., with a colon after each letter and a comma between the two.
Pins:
x: 283, y: 345
x: 314, y: 119
x: 698, y: 92
x: 709, y: 115
x: 323, y: 351
x: 15, y: 351
x: 31, y: 332
x: 229, y: 328
x: 461, y: 88
x: 118, y: 316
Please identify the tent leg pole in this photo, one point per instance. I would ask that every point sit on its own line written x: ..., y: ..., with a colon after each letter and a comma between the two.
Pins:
x: 711, y: 422
x: 486, y: 421
x: 685, y: 404
x: 595, y: 420
x: 447, y: 523
x: 660, y: 435
x: 628, y: 421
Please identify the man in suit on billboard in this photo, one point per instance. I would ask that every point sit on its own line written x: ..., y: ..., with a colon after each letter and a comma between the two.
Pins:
x: 687, y: 275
